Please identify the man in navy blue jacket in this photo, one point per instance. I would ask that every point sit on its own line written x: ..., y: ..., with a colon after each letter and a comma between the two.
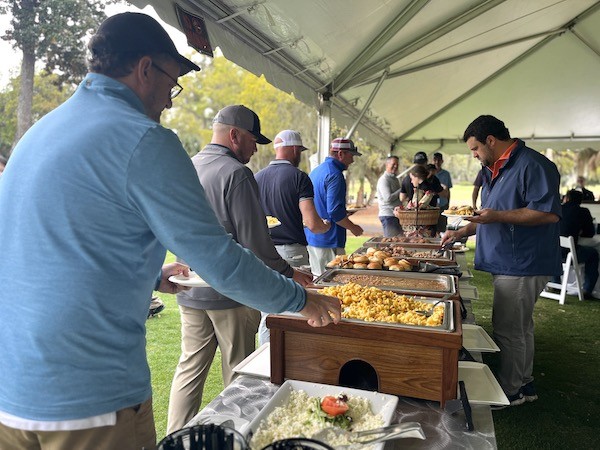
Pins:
x: 517, y: 242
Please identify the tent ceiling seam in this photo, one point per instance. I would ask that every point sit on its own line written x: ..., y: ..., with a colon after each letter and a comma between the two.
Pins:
x: 427, y: 38
x: 585, y: 42
x: 401, y: 72
x: 376, y: 44
x: 479, y: 85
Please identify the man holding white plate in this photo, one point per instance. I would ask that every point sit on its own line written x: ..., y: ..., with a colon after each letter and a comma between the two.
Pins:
x: 94, y: 194
x: 517, y: 242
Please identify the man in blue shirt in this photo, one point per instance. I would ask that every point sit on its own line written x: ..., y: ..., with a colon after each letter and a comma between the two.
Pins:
x: 94, y: 193
x: 330, y: 200
x: 517, y: 242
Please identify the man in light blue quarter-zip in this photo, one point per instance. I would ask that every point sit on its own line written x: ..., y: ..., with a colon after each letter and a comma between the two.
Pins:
x: 94, y: 193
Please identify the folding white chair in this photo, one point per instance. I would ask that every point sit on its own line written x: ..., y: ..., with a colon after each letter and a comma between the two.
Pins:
x: 572, y: 278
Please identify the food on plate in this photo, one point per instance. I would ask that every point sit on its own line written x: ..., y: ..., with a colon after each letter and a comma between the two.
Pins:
x: 464, y: 210
x: 376, y: 305
x: 335, y: 406
x: 272, y: 221
x: 305, y: 416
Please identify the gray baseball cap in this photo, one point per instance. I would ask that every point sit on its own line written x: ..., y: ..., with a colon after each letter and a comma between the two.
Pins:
x: 244, y: 118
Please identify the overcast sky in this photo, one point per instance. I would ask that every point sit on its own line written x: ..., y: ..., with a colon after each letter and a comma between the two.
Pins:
x: 11, y: 59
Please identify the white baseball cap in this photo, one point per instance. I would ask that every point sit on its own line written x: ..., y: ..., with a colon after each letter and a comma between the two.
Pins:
x: 288, y: 138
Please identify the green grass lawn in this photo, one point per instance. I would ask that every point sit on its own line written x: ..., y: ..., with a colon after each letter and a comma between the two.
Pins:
x: 566, y: 370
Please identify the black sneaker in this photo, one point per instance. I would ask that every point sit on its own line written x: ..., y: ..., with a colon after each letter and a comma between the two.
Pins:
x: 515, y: 400
x: 529, y: 393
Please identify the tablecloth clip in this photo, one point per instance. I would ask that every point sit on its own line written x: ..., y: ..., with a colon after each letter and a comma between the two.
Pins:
x: 453, y: 406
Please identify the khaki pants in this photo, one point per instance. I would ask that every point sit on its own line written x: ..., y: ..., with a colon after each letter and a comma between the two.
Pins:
x: 320, y: 256
x: 134, y: 430
x: 232, y: 330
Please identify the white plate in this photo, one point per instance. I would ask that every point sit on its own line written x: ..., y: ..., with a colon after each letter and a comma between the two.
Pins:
x: 382, y: 404
x: 257, y: 364
x: 476, y: 339
x: 192, y: 281
x: 481, y: 385
x: 274, y: 223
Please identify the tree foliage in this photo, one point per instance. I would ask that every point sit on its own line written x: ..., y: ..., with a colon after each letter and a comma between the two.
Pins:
x: 46, y: 97
x: 222, y: 83
x: 52, y: 32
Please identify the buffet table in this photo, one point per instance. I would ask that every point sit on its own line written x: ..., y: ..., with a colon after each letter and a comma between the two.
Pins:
x: 247, y: 395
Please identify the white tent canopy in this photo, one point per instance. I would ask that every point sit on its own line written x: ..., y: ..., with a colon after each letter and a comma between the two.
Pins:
x: 417, y: 72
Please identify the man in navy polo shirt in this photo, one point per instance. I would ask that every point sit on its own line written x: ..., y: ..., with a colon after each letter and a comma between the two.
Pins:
x: 287, y: 193
x: 517, y: 242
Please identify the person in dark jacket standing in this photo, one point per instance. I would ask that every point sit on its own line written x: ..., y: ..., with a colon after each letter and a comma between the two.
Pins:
x: 517, y: 242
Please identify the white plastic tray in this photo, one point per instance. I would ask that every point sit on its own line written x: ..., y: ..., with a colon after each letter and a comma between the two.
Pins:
x: 476, y: 339
x: 468, y: 292
x: 257, y: 364
x: 481, y: 385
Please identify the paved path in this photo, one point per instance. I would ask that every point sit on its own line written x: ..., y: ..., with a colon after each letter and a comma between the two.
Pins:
x: 367, y: 218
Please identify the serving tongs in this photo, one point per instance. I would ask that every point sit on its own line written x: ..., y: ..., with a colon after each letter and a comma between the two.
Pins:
x: 427, y: 267
x: 429, y: 312
x: 443, y: 248
x: 359, y: 439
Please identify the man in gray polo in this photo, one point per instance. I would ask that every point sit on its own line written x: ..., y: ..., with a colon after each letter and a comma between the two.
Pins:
x: 209, y: 319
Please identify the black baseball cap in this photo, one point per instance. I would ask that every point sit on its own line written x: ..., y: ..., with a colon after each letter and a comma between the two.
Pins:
x: 420, y: 158
x: 137, y: 32
x: 244, y: 118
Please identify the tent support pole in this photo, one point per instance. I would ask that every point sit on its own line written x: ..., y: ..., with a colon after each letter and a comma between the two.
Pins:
x: 324, y: 127
x: 367, y: 104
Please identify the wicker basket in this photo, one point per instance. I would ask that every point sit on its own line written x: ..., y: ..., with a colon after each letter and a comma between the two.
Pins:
x: 409, y: 217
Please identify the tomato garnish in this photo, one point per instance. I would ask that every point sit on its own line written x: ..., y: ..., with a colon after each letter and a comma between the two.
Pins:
x: 334, y: 406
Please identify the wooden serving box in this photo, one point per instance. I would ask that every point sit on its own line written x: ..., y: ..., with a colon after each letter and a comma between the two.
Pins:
x: 404, y: 361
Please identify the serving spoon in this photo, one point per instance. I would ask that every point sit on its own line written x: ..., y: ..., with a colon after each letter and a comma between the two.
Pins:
x: 358, y: 439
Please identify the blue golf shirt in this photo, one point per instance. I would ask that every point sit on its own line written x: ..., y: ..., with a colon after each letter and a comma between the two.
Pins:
x: 330, y: 202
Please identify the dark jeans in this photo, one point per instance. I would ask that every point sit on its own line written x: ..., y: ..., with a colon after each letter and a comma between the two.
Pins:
x: 391, y: 226
x: 589, y: 257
